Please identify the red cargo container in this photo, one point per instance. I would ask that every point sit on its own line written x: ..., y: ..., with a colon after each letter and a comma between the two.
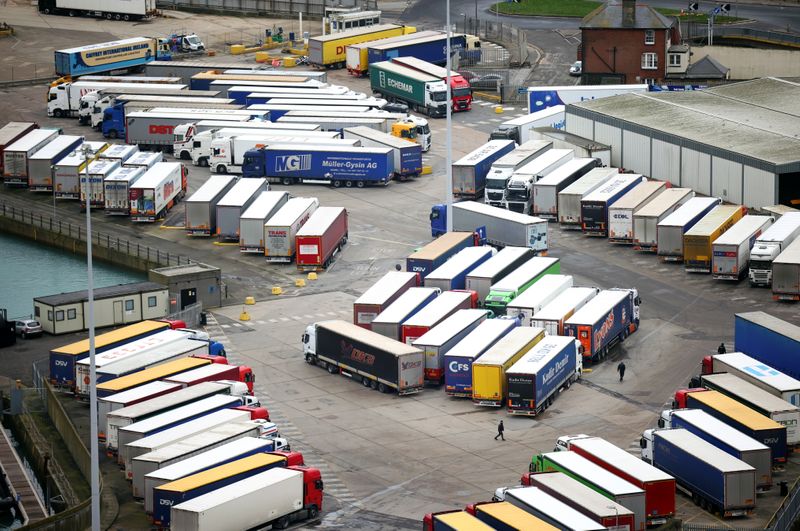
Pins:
x: 320, y: 238
x: 9, y: 134
x: 383, y: 293
x: 659, y: 487
x: 214, y: 373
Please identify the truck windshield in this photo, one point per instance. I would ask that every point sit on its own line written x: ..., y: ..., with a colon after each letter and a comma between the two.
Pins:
x: 193, y: 40
x: 760, y: 265
x: 439, y: 96
x: 423, y: 129
x: 460, y: 92
x: 496, y: 184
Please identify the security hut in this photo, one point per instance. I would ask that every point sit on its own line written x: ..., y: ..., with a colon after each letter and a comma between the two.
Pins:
x: 191, y: 283
x: 114, y: 305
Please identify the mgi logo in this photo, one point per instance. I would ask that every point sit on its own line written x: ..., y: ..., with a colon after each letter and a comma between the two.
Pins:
x: 288, y: 163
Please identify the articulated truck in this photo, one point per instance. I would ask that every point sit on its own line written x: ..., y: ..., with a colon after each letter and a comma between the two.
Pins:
x: 421, y: 92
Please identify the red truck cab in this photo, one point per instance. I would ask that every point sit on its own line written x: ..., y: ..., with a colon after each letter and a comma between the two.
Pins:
x: 256, y: 412
x: 473, y: 297
x: 680, y: 396
x: 292, y: 458
x: 461, y: 93
x: 707, y: 365
x: 247, y: 376
x: 312, y: 489
x: 427, y: 520
x: 174, y: 324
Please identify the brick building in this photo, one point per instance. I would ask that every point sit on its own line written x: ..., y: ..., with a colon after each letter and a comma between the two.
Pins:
x: 626, y: 42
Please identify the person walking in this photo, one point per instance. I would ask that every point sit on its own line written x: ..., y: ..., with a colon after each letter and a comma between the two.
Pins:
x: 621, y: 370
x: 721, y: 348
x: 500, y: 430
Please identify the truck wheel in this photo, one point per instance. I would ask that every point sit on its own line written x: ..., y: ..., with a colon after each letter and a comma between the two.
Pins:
x: 360, y: 184
x: 313, y: 512
x: 348, y: 184
x: 46, y: 11
x: 108, y: 16
x: 337, y: 184
x: 373, y: 384
x: 331, y: 368
x: 382, y: 387
x: 72, y: 13
x: 58, y: 113
x: 309, y: 359
x: 282, y: 523
x: 185, y: 155
x: 112, y: 134
x: 117, y: 17
x: 222, y: 169
x: 126, y: 18
x: 287, y: 181
x: 203, y: 162
x: 365, y: 381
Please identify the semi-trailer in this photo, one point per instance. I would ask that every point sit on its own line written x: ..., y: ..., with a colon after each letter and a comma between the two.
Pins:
x: 380, y: 295
x: 322, y: 236
x: 508, y: 259
x: 769, y: 245
x: 107, y: 404
x: 595, y: 206
x: 407, y: 155
x: 204, y: 131
x: 120, y: 152
x: 489, y: 380
x: 94, y: 104
x: 521, y: 129
x: 223, y: 148
x: 512, y: 286
x: 186, y: 69
x: 390, y: 321
x: 453, y: 521
x: 437, y: 341
x: 155, y: 129
x: 505, y: 166
x: 224, y: 82
x: 471, y: 170
x: 15, y: 155
x: 610, y: 317
x: 501, y: 227
x: 214, y: 372
x: 430, y: 256
x: 519, y: 191
x: 659, y: 487
x: 66, y: 173
x: 280, y: 231
x: 233, y: 203
x: 731, y: 252
x: 337, y: 123
x: 786, y: 274
x: 9, y: 134
x: 64, y: 99
x: 201, y: 207
x: 97, y: 172
x: 504, y: 515
x: 155, y: 192
x: 260, y: 95
x: 722, y: 436
x: 758, y: 400
x: 545, y: 191
x: 698, y: 241
x: 623, y: 210
x: 597, y: 478
x: 109, y: 56
x: 434, y: 313
x: 708, y: 475
x: 646, y: 219
x: 252, y: 220
x: 569, y: 199
x: 155, y: 373
x: 758, y: 373
x: 430, y: 49
x: 553, y: 315
x: 460, y: 89
x: 671, y: 229
x: 282, y: 105
x: 116, y: 9
x: 117, y: 189
x: 453, y: 273
x: 532, y: 301
x: 329, y: 51
x: 422, y: 93
x: 41, y: 163
x: 768, y: 339
x: 583, y: 499
x: 168, y: 80
x: 459, y: 359
x: 549, y: 509
x: 357, y: 55
x: 377, y: 361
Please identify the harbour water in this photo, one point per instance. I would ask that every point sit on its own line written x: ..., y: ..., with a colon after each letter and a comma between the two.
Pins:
x: 30, y: 269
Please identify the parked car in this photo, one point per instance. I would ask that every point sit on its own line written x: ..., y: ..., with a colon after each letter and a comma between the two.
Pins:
x: 28, y: 328
x: 489, y: 81
x: 576, y: 68
x: 396, y: 107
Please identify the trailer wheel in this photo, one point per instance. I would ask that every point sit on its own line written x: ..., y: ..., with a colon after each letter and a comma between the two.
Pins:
x: 202, y: 162
x: 287, y: 181
x: 108, y: 16
x: 126, y: 18
x: 374, y: 384
x: 117, y: 17
x: 360, y: 184
x: 382, y: 387
x: 365, y: 381
x: 348, y: 184
x: 222, y: 169
x: 46, y: 11
x: 185, y: 155
x: 331, y: 368
x: 282, y: 523
x: 313, y: 512
x: 337, y: 184
x: 72, y: 13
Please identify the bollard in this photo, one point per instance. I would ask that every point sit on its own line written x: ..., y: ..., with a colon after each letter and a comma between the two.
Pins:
x: 498, y: 109
x: 244, y: 316
x: 312, y: 276
x: 276, y: 290
x: 299, y: 283
x: 250, y: 301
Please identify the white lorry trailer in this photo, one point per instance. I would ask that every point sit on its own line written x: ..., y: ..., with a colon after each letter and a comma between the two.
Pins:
x: 646, y: 220
x: 544, y: 201
x: 622, y: 211
x: 730, y: 258
x: 281, y: 229
x: 64, y: 99
x: 503, y: 227
x: 519, y: 192
x: 15, y: 156
x: 233, y: 203
x: 505, y: 166
x: 96, y: 174
x: 201, y: 206
x: 769, y: 245
x: 252, y: 220
x: 185, y: 133
x: 40, y: 164
x: 66, y: 178
x: 569, y: 199
x: 117, y: 187
x: 199, y: 150
x: 157, y: 190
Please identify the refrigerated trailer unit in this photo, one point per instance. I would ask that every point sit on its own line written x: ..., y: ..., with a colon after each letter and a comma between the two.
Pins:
x: 10, y: 133
x: 750, y: 369
x: 458, y: 360
x: 15, y: 156
x: 731, y: 252
x: 150, y: 128
x: 380, y: 295
x: 390, y: 321
x: 120, y: 152
x: 116, y: 189
x: 252, y: 220
x: 107, y: 404
x: 552, y: 316
x: 434, y: 313
x: 41, y: 163
x: 646, y: 219
x: 502, y: 227
x: 201, y: 206
x: 280, y: 231
x: 595, y: 205
x: 670, y: 230
x: 155, y: 192
x: 546, y: 189
x: 622, y: 212
x: 233, y: 203
x: 489, y: 381
x: 144, y: 159
x: 698, y: 241
x: 96, y: 174
x: 437, y: 341
x: 323, y: 235
x: 569, y: 199
x: 481, y: 278
x: 453, y: 273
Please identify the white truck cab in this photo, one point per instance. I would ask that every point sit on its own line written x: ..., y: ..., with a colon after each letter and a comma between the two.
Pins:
x: 309, y: 339
x: 646, y: 444
x: 562, y: 443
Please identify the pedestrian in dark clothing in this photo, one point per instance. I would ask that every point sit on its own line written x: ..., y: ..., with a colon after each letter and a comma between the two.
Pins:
x: 621, y: 370
x: 500, y: 430
x: 721, y: 348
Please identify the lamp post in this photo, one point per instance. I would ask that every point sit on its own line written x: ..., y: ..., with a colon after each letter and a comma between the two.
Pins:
x: 449, y: 135
x: 465, y: 21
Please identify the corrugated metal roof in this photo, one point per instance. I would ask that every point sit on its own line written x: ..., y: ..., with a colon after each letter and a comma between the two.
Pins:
x: 100, y: 293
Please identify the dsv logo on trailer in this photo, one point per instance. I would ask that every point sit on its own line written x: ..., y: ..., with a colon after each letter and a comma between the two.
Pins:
x: 292, y: 163
x: 60, y: 363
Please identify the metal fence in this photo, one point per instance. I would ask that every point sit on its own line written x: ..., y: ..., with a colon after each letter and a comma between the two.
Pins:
x: 288, y: 8
x: 513, y: 39
x: 100, y: 239
x: 189, y: 315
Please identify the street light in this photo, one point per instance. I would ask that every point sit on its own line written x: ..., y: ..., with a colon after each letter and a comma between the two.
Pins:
x: 449, y: 135
x: 465, y: 20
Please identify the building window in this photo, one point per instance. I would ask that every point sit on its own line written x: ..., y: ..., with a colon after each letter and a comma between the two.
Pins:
x: 72, y: 314
x: 152, y: 301
x: 674, y: 59
x: 129, y: 305
x: 649, y: 61
x: 36, y: 311
x: 50, y: 315
x: 649, y: 36
x: 59, y: 315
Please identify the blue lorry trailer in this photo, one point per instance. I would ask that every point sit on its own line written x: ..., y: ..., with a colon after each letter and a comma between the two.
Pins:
x: 769, y: 340
x: 536, y: 377
x: 432, y: 49
x: 426, y: 259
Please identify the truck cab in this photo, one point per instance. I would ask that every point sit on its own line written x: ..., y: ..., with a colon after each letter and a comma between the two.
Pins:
x: 185, y: 144
x: 646, y: 444
x: 309, y: 339
x: 98, y: 109
x: 761, y: 257
x: 680, y: 396
x: 563, y: 442
x: 438, y: 217
x: 518, y: 193
x: 86, y: 108
x: 505, y: 132
x: 313, y: 488
x: 58, y: 100
x: 496, y: 184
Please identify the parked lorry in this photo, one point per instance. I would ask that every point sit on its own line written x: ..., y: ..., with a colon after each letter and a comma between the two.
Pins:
x: 94, y: 104
x: 457, y: 374
x: 15, y: 155
x: 532, y: 301
x: 64, y: 99
x: 659, y: 487
x: 188, y: 135
x: 10, y: 133
x: 357, y: 55
x: 114, y: 9
x: 508, y: 288
x: 569, y: 199
x: 489, y: 381
x: 252, y: 220
x: 429, y: 257
x: 453, y: 273
x: 380, y: 295
x: 434, y: 313
x: 250, y: 95
x: 158, y: 372
x: 66, y: 173
x: 769, y: 339
x: 407, y: 155
x: 116, y: 189
x: 233, y: 203
x: 155, y: 192
x: 622, y: 211
x: 521, y: 129
x: 323, y: 235
x: 711, y: 477
x: 505, y: 166
x: 108, y: 403
x: 722, y: 436
x: 544, y: 201
x: 758, y: 373
x: 329, y: 51
x: 390, y: 321
x: 454, y: 521
x: 431, y: 49
x: 541, y: 505
x: 214, y: 372
x: 201, y: 206
x: 595, y: 206
x: 771, y: 243
x: 500, y: 227
x: 670, y: 230
x: 610, y: 317
x: 155, y: 129
x: 223, y: 149
x: 543, y: 97
x: 460, y: 89
x: 730, y: 258
x: 647, y: 218
x: 437, y: 341
x: 40, y: 163
x: 697, y: 242
x: 758, y: 400
x: 470, y: 171
x: 519, y: 191
x: 583, y: 147
x: 552, y: 316
x: 120, y: 152
x: 786, y: 274
x: 95, y: 175
x: 375, y: 360
x: 508, y: 259
x: 109, y: 56
x: 422, y: 93
x: 280, y: 231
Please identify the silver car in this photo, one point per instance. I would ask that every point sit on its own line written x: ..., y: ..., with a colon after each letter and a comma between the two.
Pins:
x: 28, y: 328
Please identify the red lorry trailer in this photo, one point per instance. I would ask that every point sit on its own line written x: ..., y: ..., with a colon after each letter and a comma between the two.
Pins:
x: 322, y: 236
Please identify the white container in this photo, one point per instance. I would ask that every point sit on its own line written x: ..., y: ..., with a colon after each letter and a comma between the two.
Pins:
x: 546, y: 189
x: 120, y: 152
x: 538, y: 296
x: 646, y: 219
x: 569, y: 199
x: 519, y: 192
x: 452, y: 274
x: 236, y: 201
x: 434, y: 313
x: 66, y: 172
x: 201, y: 206
x: 731, y: 251
x: 40, y: 164
x: 553, y: 315
x: 621, y: 213
x: 280, y: 230
x: 99, y: 170
x: 107, y: 404
x: 759, y: 374
x: 116, y: 189
x: 481, y: 278
x: 671, y: 229
x: 252, y: 220
x: 155, y: 191
x: 770, y: 244
x: 503, y: 227
x: 389, y: 322
x: 437, y: 341
x: 15, y: 156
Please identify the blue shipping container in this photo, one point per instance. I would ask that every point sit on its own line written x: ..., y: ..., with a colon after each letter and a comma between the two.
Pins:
x: 433, y: 51
x: 769, y: 340
x: 369, y: 165
x: 453, y: 274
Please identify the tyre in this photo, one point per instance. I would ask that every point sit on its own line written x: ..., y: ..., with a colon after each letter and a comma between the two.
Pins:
x: 126, y: 18
x: 46, y: 11
x: 373, y: 384
x: 108, y: 16
x: 309, y: 359
x: 72, y: 13
x: 360, y: 184
x: 185, y: 155
x: 313, y: 512
x: 382, y: 388
x: 287, y: 181
x: 117, y: 17
x: 365, y: 381
x: 58, y: 113
x: 112, y: 134
x: 203, y: 162
x: 348, y: 184
x: 282, y: 523
x: 337, y: 184
x: 331, y: 368
x: 222, y: 169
